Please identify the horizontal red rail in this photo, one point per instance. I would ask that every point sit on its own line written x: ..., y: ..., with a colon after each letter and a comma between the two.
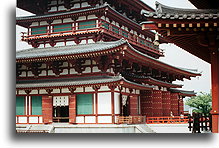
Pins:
x: 167, y: 120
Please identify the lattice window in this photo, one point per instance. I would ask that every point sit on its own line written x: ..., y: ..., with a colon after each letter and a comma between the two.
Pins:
x: 64, y: 27
x: 87, y: 24
x: 38, y: 30
x: 20, y: 104
x: 36, y: 105
x: 84, y: 104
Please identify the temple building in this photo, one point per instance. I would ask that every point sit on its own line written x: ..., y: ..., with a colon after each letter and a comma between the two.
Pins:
x: 196, y: 31
x: 91, y: 63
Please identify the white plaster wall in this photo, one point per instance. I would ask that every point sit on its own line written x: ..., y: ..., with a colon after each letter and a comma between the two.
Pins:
x: 116, y: 103
x: 30, y: 74
x: 65, y: 72
x: 43, y: 73
x: 57, y: 21
x: 34, y: 24
x: 80, y: 119
x: 89, y: 89
x: 56, y: 91
x: 104, y: 119
x: 34, y: 92
x: 104, y: 88
x: 50, y: 73
x: 43, y: 23
x: 84, y: 4
x: 91, y: 17
x: 53, y: 9
x: 23, y: 74
x: 22, y: 119
x: 42, y: 91
x: 81, y: 18
x: 61, y: 8
x: 79, y: 89
x: 95, y: 69
x: 65, y: 90
x: 104, y: 103
x: 35, y: 120
x: 67, y: 20
x: 21, y: 92
x: 90, y: 119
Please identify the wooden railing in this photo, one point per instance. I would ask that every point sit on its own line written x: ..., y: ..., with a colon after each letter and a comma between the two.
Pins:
x: 130, y: 120
x: 167, y: 120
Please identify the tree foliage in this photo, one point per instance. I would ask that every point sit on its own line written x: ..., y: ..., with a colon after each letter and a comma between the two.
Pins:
x: 202, y: 103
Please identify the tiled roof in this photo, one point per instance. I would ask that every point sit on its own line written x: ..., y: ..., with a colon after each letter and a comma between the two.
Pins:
x: 75, y: 82
x: 152, y: 79
x: 86, y: 49
x: 166, y: 12
x: 59, y: 14
x: 183, y: 92
x: 67, y: 50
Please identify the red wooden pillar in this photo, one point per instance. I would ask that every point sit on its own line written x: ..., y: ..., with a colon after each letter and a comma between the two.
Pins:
x: 72, y: 109
x: 47, y: 109
x: 157, y: 103
x: 146, y: 103
x: 174, y: 103
x: 215, y: 90
x: 166, y: 103
x: 133, y: 105
x: 181, y: 105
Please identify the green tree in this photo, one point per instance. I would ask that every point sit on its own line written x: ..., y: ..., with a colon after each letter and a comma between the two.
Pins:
x: 202, y: 103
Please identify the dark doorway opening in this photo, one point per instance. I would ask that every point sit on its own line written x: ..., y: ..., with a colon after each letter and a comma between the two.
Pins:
x: 60, y: 113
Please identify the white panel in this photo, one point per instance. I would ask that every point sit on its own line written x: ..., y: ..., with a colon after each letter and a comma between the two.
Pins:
x: 117, y: 103
x: 61, y: 8
x: 43, y: 73
x: 72, y: 71
x: 65, y: 90
x: 50, y: 73
x: 23, y: 74
x: 57, y: 21
x: 85, y: 4
x: 56, y: 91
x: 60, y: 44
x: 67, y: 20
x: 34, y: 24
x: 33, y: 119
x: 104, y: 103
x: 77, y: 5
x: 89, y: 89
x: 34, y: 92
x: 40, y: 119
x: 87, y: 70
x: 80, y: 89
x: 30, y: 74
x: 137, y: 91
x: 104, y: 88
x: 43, y: 23
x: 21, y: 92
x: 95, y: 69
x: 60, y: 101
x: 80, y: 119
x: 70, y: 43
x: 22, y: 119
x: 82, y: 18
x: 94, y: 103
x: 87, y: 62
x: 65, y: 72
x: 92, y: 17
x: 90, y: 119
x: 91, y: 41
x: 105, y: 119
x: 43, y: 91
x: 83, y: 42
x: 53, y: 9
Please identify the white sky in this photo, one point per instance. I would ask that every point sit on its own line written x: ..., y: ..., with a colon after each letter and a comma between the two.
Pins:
x: 173, y: 54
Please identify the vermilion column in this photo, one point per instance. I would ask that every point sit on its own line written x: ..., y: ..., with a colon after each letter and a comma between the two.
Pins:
x: 47, y: 109
x: 72, y: 108
x: 146, y: 103
x: 174, y: 103
x: 166, y: 103
x: 181, y: 105
x: 215, y: 90
x: 157, y: 103
x: 133, y: 105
